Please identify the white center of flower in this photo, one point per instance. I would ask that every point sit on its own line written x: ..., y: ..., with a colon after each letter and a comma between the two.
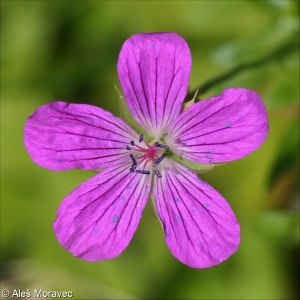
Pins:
x: 142, y: 156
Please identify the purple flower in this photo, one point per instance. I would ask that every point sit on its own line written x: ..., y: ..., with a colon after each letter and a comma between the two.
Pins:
x: 98, y: 219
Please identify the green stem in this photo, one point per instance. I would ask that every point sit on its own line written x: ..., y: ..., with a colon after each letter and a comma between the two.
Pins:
x: 276, y: 55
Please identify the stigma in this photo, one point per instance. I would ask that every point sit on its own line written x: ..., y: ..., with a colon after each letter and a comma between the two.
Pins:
x: 142, y: 154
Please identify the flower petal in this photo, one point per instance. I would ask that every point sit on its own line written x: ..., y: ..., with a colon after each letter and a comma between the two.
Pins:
x: 154, y: 71
x: 221, y: 129
x: 62, y: 136
x: 98, y: 219
x: 200, y: 228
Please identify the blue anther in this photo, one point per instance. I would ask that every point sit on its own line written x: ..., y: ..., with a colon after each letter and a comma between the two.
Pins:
x: 133, y: 159
x: 157, y: 144
x: 143, y: 172
x: 132, y: 143
x: 160, y: 158
x: 157, y: 173
x: 141, y: 138
x: 128, y: 148
x: 133, y: 167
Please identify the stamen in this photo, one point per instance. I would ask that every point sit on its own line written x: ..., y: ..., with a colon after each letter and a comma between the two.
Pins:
x: 157, y: 173
x: 144, y: 154
x: 132, y: 169
x: 160, y: 159
x: 143, y: 172
x: 141, y: 138
x: 133, y: 159
x: 163, y: 146
x: 157, y: 144
x: 138, y: 148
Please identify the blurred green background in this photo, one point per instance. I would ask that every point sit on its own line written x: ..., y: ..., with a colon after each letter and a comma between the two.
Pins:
x: 68, y: 50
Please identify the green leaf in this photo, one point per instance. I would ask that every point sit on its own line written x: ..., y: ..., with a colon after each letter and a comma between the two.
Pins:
x: 288, y: 156
x: 281, y: 227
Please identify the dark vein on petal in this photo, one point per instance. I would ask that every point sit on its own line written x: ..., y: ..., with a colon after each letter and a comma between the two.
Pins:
x: 186, y: 174
x: 145, y: 95
x: 178, y: 210
x: 136, y: 102
x: 99, y: 118
x: 216, y: 143
x: 216, y: 228
x: 172, y: 108
x: 119, y: 133
x: 155, y: 99
x: 193, y: 114
x: 144, y: 118
x: 165, y: 203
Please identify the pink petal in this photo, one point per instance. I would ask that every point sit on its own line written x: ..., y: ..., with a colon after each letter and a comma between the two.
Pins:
x: 154, y: 72
x: 221, y: 129
x: 200, y: 228
x: 61, y: 136
x: 98, y: 219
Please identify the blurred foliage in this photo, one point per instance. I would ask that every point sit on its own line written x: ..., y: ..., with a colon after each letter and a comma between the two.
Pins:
x: 67, y: 50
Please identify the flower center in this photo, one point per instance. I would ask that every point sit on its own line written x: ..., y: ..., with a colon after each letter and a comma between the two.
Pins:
x: 142, y: 156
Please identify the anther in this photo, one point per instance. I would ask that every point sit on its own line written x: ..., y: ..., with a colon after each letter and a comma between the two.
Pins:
x: 132, y: 143
x: 163, y: 146
x: 157, y: 144
x: 141, y: 138
x: 160, y: 158
x: 132, y: 169
x: 157, y: 173
x: 143, y: 172
x: 128, y: 148
x: 133, y: 159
